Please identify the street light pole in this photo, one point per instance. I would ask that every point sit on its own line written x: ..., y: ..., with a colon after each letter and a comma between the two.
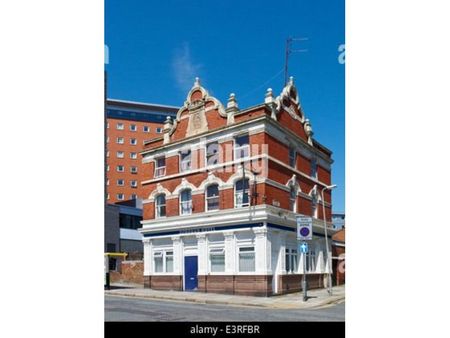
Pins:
x: 327, y: 187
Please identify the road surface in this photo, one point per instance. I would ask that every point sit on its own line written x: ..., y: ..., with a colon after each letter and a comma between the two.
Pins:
x: 137, y: 309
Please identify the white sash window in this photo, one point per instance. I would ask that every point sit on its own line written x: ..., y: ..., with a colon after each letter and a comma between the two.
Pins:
x: 212, y: 197
x: 247, y: 259
x: 186, y: 202
x: 160, y: 167
x: 217, y: 260
x: 161, y: 205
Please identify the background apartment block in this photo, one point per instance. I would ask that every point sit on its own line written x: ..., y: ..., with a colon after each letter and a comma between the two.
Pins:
x: 128, y: 125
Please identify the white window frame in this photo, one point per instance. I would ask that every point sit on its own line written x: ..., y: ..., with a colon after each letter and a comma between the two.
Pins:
x: 120, y: 154
x: 209, y: 198
x: 158, y: 254
x: 133, y: 155
x: 133, y: 183
x: 133, y: 171
x: 120, y: 126
x: 240, y: 148
x: 239, y: 257
x: 163, y: 254
x: 119, y: 181
x: 133, y: 141
x: 120, y: 140
x: 144, y: 129
x: 182, y: 162
x: 120, y: 171
x: 157, y: 210
x: 216, y: 251
x: 188, y: 202
x: 131, y: 127
x: 291, y: 255
x: 248, y: 193
x: 123, y: 196
x: 160, y: 171
x: 159, y: 130
x: 107, y: 167
x: 133, y: 196
x: 107, y: 153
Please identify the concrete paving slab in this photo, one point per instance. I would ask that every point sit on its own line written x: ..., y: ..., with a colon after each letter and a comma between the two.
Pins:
x: 317, y: 298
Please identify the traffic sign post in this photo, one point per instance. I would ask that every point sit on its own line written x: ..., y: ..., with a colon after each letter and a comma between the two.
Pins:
x: 304, y: 228
x: 304, y: 233
x: 304, y: 250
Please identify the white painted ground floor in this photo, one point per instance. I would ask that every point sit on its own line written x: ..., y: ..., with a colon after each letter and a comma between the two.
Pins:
x: 260, y: 258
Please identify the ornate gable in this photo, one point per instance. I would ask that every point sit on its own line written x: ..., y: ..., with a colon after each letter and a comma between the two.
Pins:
x: 288, y: 102
x: 192, y: 118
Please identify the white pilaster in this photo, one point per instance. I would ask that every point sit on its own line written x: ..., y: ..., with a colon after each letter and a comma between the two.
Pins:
x: 177, y: 255
x: 147, y: 256
x: 230, y: 252
x: 320, y: 261
x: 328, y: 265
x: 202, y: 254
x: 274, y: 238
x: 262, y: 245
x: 282, y: 255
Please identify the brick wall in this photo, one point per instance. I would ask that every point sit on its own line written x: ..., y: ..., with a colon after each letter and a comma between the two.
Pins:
x: 288, y: 122
x: 131, y: 272
x: 164, y: 282
x: 248, y: 285
x: 293, y: 283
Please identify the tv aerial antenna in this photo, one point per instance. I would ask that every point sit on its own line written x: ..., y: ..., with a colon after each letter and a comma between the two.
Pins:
x: 289, y: 41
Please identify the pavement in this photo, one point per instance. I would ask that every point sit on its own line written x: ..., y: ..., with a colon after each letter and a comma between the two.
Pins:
x: 317, y: 298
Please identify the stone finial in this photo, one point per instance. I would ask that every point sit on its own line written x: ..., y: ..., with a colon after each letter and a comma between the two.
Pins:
x: 168, y: 124
x: 197, y: 82
x: 308, y: 130
x: 269, y: 96
x: 232, y: 108
x: 291, y: 80
x: 270, y: 101
x: 232, y: 103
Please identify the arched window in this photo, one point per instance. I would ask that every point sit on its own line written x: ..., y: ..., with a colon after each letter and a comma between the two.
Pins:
x: 241, y: 193
x: 212, y: 197
x: 292, y: 198
x: 186, y: 202
x: 161, y: 205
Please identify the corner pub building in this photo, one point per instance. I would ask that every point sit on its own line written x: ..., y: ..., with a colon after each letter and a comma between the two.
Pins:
x: 224, y: 187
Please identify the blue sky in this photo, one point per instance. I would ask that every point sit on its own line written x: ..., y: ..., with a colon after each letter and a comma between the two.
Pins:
x: 156, y: 48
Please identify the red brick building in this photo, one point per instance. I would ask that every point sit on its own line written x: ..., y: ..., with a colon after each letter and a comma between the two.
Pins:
x: 223, y: 187
x: 128, y: 125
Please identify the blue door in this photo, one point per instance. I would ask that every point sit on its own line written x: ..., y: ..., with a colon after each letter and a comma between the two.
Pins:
x: 190, y: 273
